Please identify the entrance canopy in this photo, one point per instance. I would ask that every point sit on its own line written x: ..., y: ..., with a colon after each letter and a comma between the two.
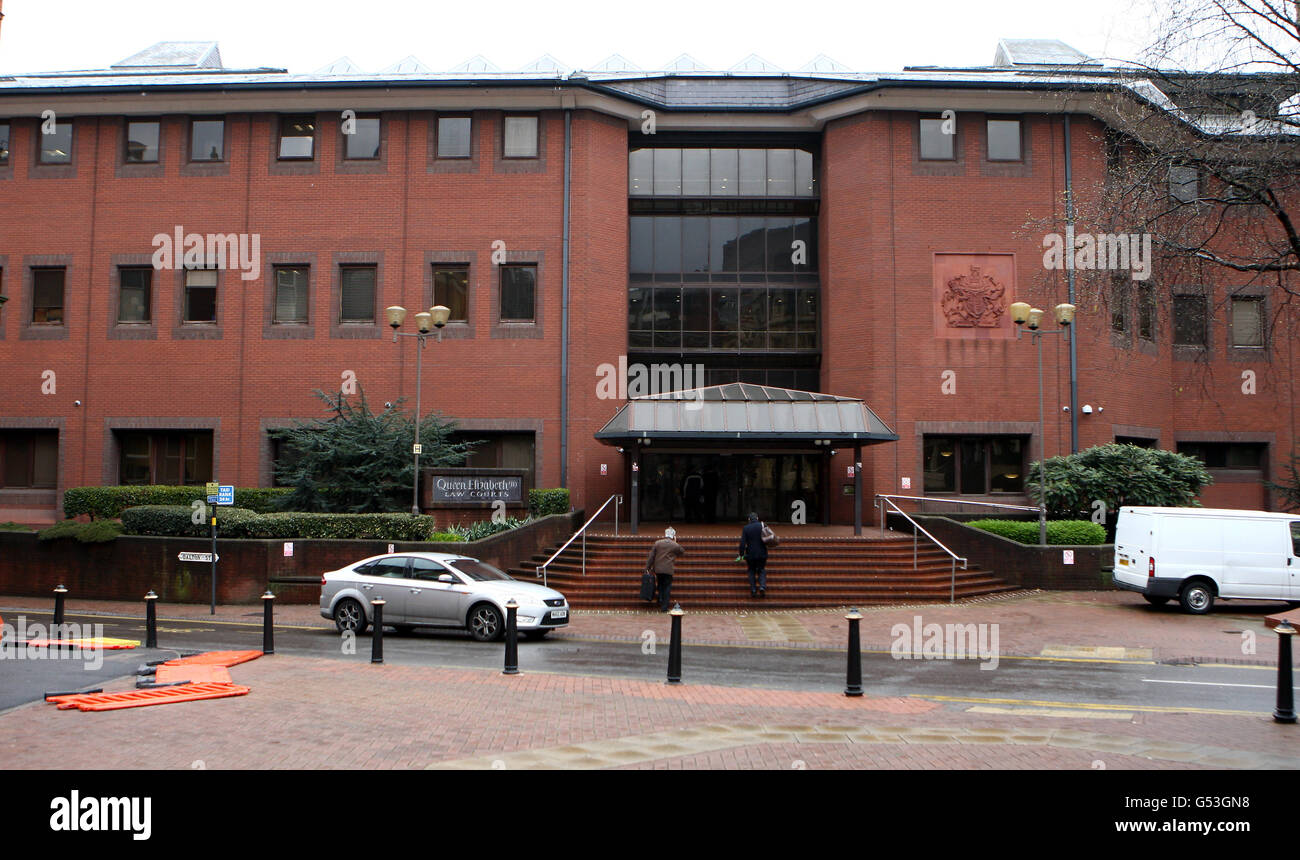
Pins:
x: 741, y: 412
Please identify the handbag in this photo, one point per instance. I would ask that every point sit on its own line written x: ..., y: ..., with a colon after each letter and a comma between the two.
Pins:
x: 769, y: 537
x: 647, y: 586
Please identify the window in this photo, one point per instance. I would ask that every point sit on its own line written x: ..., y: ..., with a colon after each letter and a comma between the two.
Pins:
x: 429, y: 570
x: 391, y: 568
x: 758, y: 318
x: 357, y: 294
x: 672, y: 172
x: 1184, y: 183
x: 200, y: 296
x: 520, y: 133
x: 518, y: 293
x: 284, y: 458
x: 1226, y: 455
x: 974, y: 465
x: 133, y: 294
x: 4, y: 143
x: 1146, y: 312
x: 1295, y: 538
x: 1248, y: 322
x: 1189, y: 321
x: 207, y: 140
x: 142, y: 142
x: 297, y: 137
x: 1004, y: 140
x: 1139, y: 441
x: 936, y: 143
x: 47, y: 296
x: 174, y: 458
x: 291, y: 283
x: 56, y: 146
x: 499, y: 450
x: 29, y: 458
x: 363, y: 143
x: 451, y: 290
x: 1119, y: 302
x: 454, y: 140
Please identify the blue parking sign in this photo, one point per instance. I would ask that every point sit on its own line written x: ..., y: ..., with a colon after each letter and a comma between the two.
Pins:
x: 226, y: 494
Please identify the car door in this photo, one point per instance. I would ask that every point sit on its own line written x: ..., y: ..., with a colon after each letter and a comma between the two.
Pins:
x: 1293, y: 562
x: 387, y: 578
x: 1255, y: 554
x: 431, y: 601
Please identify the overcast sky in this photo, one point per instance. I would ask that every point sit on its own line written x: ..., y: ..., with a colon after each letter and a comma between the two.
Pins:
x: 304, y: 35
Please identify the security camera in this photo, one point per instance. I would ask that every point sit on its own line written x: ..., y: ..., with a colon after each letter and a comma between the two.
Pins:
x: 76, y: 403
x: 1065, y: 409
x: 388, y: 405
x: 1087, y: 409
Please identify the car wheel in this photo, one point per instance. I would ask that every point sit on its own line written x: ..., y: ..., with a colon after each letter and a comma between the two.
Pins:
x: 1196, y: 597
x: 1154, y: 600
x: 485, y: 622
x: 350, y: 617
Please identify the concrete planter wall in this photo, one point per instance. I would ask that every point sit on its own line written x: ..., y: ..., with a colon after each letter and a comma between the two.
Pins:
x: 1026, y: 566
x: 126, y: 568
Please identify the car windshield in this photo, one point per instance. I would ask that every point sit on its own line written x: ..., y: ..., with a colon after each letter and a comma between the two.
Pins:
x: 478, y: 571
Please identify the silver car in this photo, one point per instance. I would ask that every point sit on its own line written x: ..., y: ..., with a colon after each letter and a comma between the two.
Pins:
x: 435, y: 589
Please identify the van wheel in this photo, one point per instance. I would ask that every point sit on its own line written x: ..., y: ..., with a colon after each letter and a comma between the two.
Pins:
x: 1154, y: 600
x: 1196, y: 598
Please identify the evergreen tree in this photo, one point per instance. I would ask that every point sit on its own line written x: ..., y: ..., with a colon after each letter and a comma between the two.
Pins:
x: 357, y: 461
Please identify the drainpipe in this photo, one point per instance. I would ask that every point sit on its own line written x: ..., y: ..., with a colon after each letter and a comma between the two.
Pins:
x: 1069, y: 280
x: 564, y: 309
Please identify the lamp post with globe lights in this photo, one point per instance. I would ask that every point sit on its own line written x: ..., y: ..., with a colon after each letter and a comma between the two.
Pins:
x: 435, y: 317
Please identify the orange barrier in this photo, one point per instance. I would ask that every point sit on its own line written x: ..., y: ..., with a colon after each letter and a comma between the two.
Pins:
x: 216, y: 658
x: 196, y: 673
x: 96, y: 644
x: 142, y: 698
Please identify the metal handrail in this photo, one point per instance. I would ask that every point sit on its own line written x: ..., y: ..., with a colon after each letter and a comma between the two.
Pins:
x: 958, y: 502
x: 582, y: 531
x: 952, y: 586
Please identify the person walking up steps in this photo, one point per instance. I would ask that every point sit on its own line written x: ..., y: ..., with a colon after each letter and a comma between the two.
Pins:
x: 660, y: 563
x: 754, y: 549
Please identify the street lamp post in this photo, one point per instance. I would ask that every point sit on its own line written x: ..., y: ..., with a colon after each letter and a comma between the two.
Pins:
x: 1030, y: 317
x: 435, y: 317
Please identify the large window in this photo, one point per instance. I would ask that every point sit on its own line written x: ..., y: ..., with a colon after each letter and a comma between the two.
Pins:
x: 518, y: 293
x: 207, y: 140
x: 29, y: 458
x: 451, y: 290
x: 200, y: 296
x: 1227, y: 455
x: 974, y: 465
x: 1184, y: 183
x: 698, y: 172
x: 1190, y: 321
x: 1248, y: 322
x: 499, y: 450
x: 141, y: 142
x: 520, y: 137
x: 1120, y: 296
x: 363, y: 143
x: 357, y: 294
x: 1146, y: 312
x: 47, y: 296
x: 165, y: 457
x: 937, y: 140
x: 4, y: 143
x: 291, y: 285
x: 298, y: 137
x: 56, y: 146
x: 133, y: 302
x: 1003, y: 139
x: 454, y: 139
x: 721, y: 247
x: 761, y: 317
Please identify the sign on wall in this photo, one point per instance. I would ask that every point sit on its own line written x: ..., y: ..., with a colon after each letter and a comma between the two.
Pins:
x: 471, y: 487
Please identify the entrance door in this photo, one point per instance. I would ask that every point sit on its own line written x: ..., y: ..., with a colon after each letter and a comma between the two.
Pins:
x: 732, y: 485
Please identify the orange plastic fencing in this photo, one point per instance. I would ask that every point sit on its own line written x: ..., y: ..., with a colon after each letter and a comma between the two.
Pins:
x: 142, y: 698
x: 198, y: 673
x: 98, y: 643
x: 216, y: 658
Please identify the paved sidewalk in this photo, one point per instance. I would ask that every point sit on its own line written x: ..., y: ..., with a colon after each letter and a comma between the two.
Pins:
x: 345, y: 713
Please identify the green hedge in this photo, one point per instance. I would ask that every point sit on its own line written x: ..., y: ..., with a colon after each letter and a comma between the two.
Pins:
x: 543, y: 503
x: 175, y: 520
x: 1060, y: 532
x: 107, y: 503
x: 15, y: 527
x: 98, y: 532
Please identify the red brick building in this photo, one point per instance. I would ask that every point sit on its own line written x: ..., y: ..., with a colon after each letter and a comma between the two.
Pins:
x: 822, y: 230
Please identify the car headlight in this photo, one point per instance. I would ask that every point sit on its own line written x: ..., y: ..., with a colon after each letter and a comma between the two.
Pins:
x: 525, y: 619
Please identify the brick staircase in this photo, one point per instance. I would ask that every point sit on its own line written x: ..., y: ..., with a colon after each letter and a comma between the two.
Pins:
x: 802, y: 572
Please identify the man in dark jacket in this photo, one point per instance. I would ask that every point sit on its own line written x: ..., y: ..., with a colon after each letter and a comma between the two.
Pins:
x: 660, y: 563
x: 755, y: 553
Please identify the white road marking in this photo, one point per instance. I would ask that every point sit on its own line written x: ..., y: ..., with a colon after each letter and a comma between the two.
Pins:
x: 1208, y: 683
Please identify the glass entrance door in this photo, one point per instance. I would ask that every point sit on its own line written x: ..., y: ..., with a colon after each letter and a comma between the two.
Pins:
x: 724, y: 488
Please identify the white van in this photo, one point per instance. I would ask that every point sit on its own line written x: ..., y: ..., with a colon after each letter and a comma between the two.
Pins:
x: 1198, y: 554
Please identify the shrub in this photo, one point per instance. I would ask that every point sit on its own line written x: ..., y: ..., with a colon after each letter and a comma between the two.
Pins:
x: 107, y: 503
x: 15, y: 527
x: 1059, y: 532
x: 486, y: 528
x: 446, y: 537
x: 543, y: 503
x: 1117, y: 475
x: 175, y: 520
x: 96, y: 532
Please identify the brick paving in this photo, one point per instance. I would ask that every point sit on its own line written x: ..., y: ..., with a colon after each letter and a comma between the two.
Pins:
x: 307, y: 712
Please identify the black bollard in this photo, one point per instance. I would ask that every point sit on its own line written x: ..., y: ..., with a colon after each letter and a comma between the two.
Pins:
x: 853, y: 683
x: 150, y: 620
x: 675, y: 645
x: 268, y: 630
x: 1285, y: 712
x: 512, y: 638
x: 377, y: 640
x: 56, y: 628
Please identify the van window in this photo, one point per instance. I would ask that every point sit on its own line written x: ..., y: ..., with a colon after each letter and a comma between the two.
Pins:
x: 1295, y: 539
